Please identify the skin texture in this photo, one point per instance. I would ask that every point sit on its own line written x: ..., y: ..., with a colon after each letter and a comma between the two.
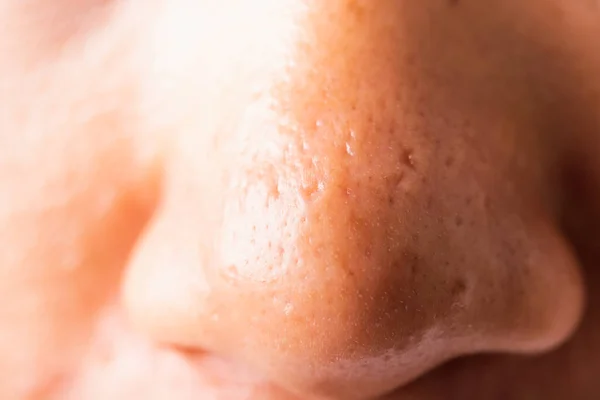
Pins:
x: 286, y: 199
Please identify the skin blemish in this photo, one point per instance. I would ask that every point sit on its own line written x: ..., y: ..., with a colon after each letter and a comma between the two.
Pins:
x: 429, y: 203
x: 408, y: 159
x: 394, y: 180
x: 459, y: 288
x: 487, y: 203
x: 414, y: 264
x: 458, y: 221
x: 410, y: 262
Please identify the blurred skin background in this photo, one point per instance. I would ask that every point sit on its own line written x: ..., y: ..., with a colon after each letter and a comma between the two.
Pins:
x: 299, y: 199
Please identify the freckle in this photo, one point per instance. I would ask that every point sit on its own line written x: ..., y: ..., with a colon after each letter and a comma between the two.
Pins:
x: 274, y: 192
x: 414, y: 267
x: 391, y: 200
x: 232, y: 270
x: 307, y: 191
x: 449, y: 161
x: 412, y: 261
x: 409, y: 60
x: 487, y: 203
x: 458, y: 221
x: 356, y: 10
x: 429, y: 203
x: 459, y: 287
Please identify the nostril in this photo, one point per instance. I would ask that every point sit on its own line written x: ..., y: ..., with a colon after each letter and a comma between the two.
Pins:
x: 219, y: 369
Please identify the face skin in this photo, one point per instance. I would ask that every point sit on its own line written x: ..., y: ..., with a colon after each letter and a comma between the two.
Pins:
x: 298, y: 199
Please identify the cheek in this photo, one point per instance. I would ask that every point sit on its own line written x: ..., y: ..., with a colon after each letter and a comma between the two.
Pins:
x: 72, y: 202
x: 37, y: 32
x: 66, y: 240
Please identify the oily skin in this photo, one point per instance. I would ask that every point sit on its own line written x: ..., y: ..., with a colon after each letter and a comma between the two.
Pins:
x: 311, y: 199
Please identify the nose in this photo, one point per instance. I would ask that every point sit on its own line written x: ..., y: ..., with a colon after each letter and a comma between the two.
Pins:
x: 343, y: 207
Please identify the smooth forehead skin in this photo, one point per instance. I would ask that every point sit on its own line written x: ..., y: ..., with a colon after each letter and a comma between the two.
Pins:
x: 297, y: 199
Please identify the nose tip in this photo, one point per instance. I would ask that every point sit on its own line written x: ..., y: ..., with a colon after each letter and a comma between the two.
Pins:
x: 325, y: 305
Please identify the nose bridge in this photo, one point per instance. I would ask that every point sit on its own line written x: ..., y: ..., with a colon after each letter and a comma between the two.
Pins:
x: 216, y: 46
x: 212, y: 53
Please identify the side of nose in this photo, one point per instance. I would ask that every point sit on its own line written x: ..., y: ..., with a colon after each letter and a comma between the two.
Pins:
x: 324, y: 224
